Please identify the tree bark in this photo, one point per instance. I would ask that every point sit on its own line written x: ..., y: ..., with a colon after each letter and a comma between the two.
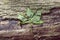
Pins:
x: 50, y: 15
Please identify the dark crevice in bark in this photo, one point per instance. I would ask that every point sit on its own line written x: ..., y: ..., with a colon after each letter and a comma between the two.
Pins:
x: 10, y: 19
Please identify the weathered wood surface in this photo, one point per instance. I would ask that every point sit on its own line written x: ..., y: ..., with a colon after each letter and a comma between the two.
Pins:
x: 50, y: 30
x: 10, y: 8
x: 11, y: 29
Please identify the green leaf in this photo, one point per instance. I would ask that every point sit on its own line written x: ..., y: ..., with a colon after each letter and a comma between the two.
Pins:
x: 29, y: 13
x: 35, y: 18
x: 39, y: 12
x: 25, y: 22
x: 38, y: 22
x: 30, y: 17
x: 21, y: 17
